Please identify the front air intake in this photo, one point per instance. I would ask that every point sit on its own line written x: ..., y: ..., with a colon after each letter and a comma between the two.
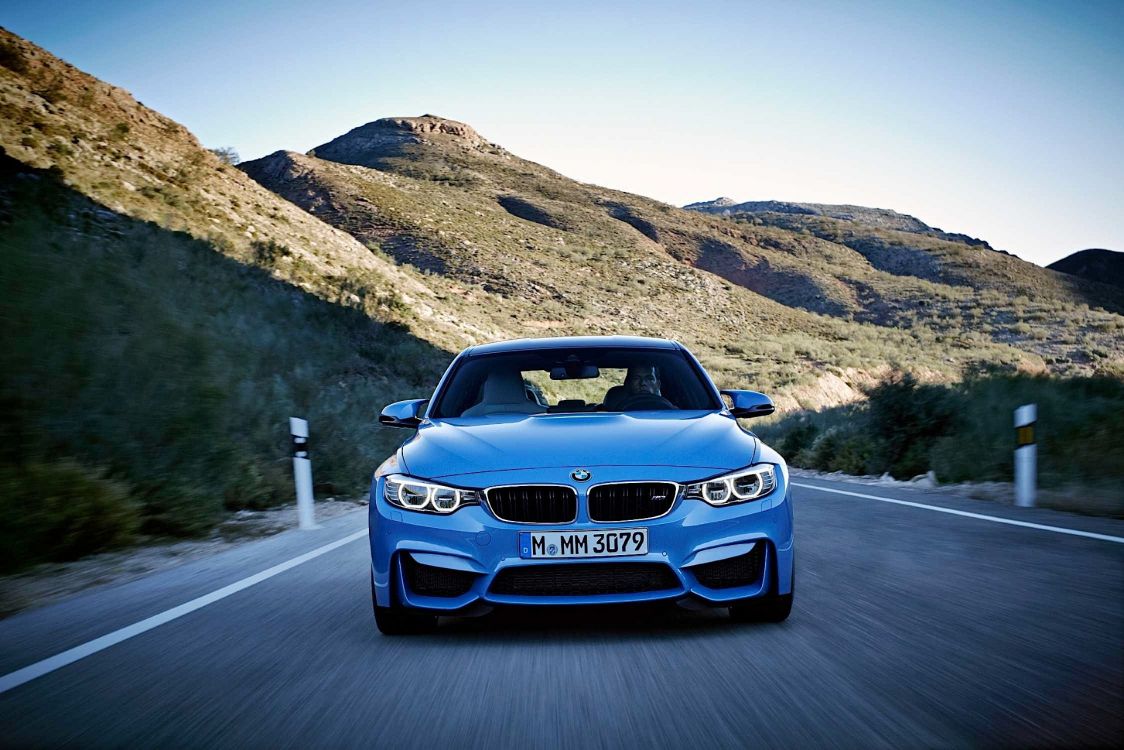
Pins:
x: 631, y: 501
x: 584, y: 579
x: 546, y: 503
x: 743, y: 570
x: 427, y: 580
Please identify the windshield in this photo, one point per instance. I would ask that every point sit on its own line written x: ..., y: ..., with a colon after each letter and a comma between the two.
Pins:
x: 574, y: 380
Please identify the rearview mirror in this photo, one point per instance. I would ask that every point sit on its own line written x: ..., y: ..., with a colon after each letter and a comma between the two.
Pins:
x: 746, y: 404
x: 574, y: 371
x: 404, y: 413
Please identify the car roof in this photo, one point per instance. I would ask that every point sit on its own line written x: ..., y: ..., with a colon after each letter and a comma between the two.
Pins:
x: 572, y: 342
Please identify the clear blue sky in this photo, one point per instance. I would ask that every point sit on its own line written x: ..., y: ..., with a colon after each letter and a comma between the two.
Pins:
x: 1001, y: 120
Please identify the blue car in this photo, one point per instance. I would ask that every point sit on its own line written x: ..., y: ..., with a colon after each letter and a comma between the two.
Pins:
x: 583, y: 470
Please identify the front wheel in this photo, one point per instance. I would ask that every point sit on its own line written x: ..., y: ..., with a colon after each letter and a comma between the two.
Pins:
x: 398, y: 620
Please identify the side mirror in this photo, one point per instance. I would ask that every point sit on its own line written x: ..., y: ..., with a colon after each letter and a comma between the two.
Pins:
x: 746, y: 404
x: 404, y: 413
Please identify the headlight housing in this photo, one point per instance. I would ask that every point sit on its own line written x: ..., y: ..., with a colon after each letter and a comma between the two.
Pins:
x: 740, y: 486
x: 409, y: 493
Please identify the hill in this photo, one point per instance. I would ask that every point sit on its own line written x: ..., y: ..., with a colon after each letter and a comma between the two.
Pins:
x: 435, y: 194
x: 873, y: 217
x: 1096, y: 264
x: 140, y: 164
x: 166, y: 313
x: 148, y: 378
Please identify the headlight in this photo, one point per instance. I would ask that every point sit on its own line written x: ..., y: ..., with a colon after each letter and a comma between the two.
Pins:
x: 415, y: 494
x: 737, y: 487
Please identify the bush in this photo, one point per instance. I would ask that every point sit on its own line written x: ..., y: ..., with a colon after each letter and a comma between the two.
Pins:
x: 908, y: 418
x: 963, y: 431
x: 176, y: 368
x: 798, y: 438
x: 11, y: 57
x: 52, y: 91
x: 1080, y: 429
x: 178, y: 507
x: 844, y: 448
x: 61, y: 510
x: 267, y: 253
x: 227, y: 155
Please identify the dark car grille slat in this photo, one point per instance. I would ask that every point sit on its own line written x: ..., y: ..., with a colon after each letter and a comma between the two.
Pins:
x: 584, y: 579
x: 630, y: 501
x: 534, y: 503
x: 430, y: 581
x: 735, y: 571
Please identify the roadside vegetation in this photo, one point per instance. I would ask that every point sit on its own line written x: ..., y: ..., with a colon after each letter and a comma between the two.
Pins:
x: 148, y: 379
x: 963, y: 432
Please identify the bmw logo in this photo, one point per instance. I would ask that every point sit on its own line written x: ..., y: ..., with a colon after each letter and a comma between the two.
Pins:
x: 580, y: 475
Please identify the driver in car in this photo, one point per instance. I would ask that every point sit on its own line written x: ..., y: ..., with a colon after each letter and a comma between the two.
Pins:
x: 642, y: 380
x: 641, y: 384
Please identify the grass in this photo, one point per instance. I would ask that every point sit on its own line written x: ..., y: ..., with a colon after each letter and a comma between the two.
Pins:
x: 149, y: 379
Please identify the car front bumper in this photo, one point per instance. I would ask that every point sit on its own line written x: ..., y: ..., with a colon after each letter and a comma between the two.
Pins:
x: 692, y: 541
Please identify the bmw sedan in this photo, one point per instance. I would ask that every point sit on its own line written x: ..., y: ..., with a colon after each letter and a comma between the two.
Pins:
x: 585, y: 470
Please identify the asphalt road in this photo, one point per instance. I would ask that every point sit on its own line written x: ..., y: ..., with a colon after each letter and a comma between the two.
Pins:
x: 911, y: 628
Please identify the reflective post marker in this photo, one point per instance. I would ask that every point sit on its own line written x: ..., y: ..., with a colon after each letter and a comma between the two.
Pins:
x: 302, y: 472
x: 1026, y: 455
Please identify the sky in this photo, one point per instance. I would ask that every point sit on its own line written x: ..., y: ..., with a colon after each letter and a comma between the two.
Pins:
x: 1001, y: 120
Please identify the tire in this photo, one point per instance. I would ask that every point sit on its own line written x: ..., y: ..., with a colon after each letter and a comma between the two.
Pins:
x: 768, y: 608
x: 398, y: 620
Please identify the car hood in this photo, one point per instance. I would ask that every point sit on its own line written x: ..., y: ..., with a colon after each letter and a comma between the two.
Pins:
x: 448, y: 447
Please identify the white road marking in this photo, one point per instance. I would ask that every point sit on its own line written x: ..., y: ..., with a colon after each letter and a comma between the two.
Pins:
x: 982, y: 517
x: 60, y: 660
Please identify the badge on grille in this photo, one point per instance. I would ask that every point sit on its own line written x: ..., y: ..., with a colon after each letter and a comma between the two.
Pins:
x: 580, y: 475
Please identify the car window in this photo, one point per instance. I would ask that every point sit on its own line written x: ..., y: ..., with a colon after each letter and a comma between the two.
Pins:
x: 574, y: 380
x: 590, y: 390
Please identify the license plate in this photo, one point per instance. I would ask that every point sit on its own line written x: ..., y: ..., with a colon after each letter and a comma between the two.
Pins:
x: 559, y: 544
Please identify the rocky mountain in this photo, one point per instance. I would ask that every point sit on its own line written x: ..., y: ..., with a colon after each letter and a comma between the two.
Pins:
x: 138, y: 163
x: 874, y: 218
x: 164, y: 315
x: 368, y: 144
x: 1096, y: 264
x: 165, y: 312
x: 435, y: 195
x: 424, y: 223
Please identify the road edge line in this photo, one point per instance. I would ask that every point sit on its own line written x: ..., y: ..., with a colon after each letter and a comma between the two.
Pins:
x: 26, y: 674
x: 968, y: 514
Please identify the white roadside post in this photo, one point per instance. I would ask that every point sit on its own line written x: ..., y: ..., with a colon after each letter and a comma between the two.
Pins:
x: 1026, y: 455
x: 302, y: 472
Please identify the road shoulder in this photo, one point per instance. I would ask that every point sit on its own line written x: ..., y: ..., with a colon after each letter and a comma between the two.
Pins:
x: 41, y: 632
x: 954, y: 497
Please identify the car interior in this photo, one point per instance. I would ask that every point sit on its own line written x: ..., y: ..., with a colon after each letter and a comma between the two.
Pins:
x: 574, y: 382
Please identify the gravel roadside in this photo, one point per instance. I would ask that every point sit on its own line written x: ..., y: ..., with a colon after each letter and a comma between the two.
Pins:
x: 1088, y: 501
x: 51, y: 582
